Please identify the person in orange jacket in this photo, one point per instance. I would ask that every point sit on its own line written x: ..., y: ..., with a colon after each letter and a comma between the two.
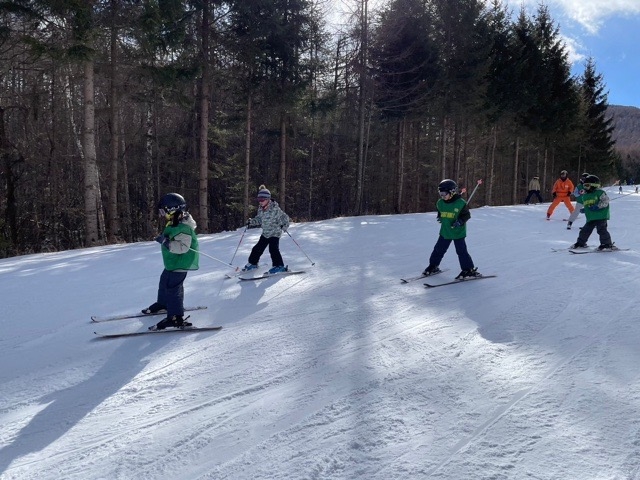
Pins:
x: 561, y: 192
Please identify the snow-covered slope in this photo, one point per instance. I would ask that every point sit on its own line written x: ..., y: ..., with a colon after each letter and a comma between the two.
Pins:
x: 341, y: 373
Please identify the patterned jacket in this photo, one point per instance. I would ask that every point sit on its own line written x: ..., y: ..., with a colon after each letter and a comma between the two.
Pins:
x: 272, y: 220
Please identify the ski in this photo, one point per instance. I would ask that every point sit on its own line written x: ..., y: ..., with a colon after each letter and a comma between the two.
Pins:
x: 595, y: 250
x: 237, y: 273
x: 429, y: 285
x: 149, y: 332
x: 98, y: 319
x: 271, y: 275
x: 420, y: 277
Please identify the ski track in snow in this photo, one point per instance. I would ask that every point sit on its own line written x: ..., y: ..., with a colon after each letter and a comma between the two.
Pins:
x: 344, y: 373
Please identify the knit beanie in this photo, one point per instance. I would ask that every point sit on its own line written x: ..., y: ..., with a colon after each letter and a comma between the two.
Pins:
x: 263, y: 193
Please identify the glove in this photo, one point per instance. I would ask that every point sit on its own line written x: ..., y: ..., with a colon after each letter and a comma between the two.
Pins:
x: 582, y: 210
x: 163, y: 240
x: 439, y: 220
x: 457, y: 223
x: 250, y: 225
x: 594, y: 208
x: 553, y: 194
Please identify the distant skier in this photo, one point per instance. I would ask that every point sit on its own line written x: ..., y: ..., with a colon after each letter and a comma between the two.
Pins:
x: 273, y: 222
x: 596, y: 209
x: 561, y: 192
x: 179, y: 247
x: 534, y: 189
x: 579, y: 207
x: 453, y: 214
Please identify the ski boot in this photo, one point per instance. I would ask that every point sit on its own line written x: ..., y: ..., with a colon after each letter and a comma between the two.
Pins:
x: 154, y: 308
x: 471, y: 273
x: 175, y: 321
x: 278, y: 269
x: 431, y: 270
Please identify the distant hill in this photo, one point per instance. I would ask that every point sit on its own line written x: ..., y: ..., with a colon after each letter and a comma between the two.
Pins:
x: 627, y: 136
x: 627, y: 127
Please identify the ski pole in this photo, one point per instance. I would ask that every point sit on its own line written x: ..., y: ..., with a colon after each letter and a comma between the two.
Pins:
x: 234, y: 253
x: 474, y: 190
x: 294, y: 241
x: 212, y: 258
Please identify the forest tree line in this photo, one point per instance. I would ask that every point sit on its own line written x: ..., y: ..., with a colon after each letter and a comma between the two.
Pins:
x: 105, y: 105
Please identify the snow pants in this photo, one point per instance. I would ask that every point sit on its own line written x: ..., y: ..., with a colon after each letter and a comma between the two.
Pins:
x: 556, y: 201
x: 441, y: 247
x: 601, y: 228
x: 533, y: 193
x: 576, y: 212
x: 171, y: 292
x: 274, y: 251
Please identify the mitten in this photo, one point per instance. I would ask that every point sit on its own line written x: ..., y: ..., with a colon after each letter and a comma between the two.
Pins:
x: 553, y: 194
x: 457, y: 223
x: 594, y: 208
x: 163, y: 240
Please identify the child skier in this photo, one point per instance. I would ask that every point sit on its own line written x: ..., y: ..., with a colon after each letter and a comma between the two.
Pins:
x: 453, y: 214
x: 273, y: 222
x: 576, y: 193
x: 596, y: 209
x: 179, y: 246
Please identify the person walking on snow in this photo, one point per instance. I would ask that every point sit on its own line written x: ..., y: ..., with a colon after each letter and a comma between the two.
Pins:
x: 453, y: 214
x: 596, y: 209
x: 579, y: 207
x: 273, y: 222
x: 179, y: 247
x: 561, y: 192
x: 534, y: 189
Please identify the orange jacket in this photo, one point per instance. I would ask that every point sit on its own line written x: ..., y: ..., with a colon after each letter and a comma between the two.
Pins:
x: 563, y: 188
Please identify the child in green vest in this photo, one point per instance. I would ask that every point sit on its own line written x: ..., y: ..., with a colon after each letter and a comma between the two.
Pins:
x: 179, y: 246
x: 453, y: 214
x: 596, y: 209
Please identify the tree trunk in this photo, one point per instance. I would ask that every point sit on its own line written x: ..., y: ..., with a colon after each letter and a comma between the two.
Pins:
x: 514, y: 192
x: 203, y: 190
x: 283, y: 161
x: 92, y: 206
x: 114, y: 223
x: 361, y: 107
x: 247, y: 160
x: 401, y: 135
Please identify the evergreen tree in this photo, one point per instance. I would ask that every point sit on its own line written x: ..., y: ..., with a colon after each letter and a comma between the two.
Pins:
x: 597, y: 142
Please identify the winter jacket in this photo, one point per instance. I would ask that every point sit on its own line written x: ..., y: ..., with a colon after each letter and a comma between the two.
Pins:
x: 272, y: 220
x: 562, y: 188
x: 598, y: 198
x: 180, y: 256
x: 450, y: 211
x: 534, y: 184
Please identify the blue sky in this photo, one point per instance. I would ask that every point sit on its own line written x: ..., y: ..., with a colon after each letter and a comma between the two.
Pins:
x: 606, y: 30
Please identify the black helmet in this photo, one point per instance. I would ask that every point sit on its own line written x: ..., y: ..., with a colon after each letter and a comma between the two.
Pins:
x: 591, y: 182
x: 448, y: 186
x: 171, y: 203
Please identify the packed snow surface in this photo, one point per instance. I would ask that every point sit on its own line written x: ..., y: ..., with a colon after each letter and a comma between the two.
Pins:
x: 340, y: 373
